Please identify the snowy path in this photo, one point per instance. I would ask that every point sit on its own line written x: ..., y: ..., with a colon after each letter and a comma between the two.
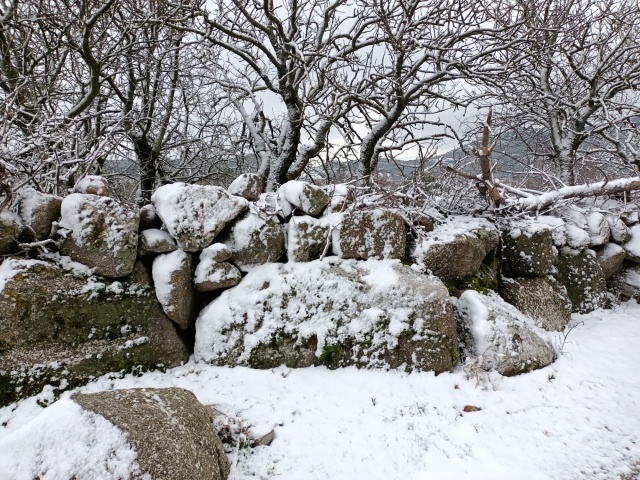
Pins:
x: 577, y: 419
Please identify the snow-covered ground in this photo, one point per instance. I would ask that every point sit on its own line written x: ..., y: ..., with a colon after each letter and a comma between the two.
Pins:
x: 577, y: 419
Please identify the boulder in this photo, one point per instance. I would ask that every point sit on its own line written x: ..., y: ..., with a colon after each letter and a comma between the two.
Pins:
x: 342, y: 196
x: 366, y: 234
x: 598, y: 229
x: 619, y: 231
x: 212, y: 276
x: 632, y: 247
x: 583, y: 278
x: 626, y: 283
x: 307, y: 238
x: 195, y: 214
x: 558, y: 229
x: 374, y: 314
x: 155, y: 241
x: 450, y: 256
x: 217, y: 252
x: 92, y: 185
x: 99, y: 232
x: 10, y: 228
x: 527, y: 250
x: 172, y: 278
x: 149, y: 218
x: 38, y: 211
x: 62, y: 327
x: 169, y: 429
x: 247, y: 185
x: 497, y: 336
x: 254, y: 239
x: 541, y: 298
x: 610, y: 258
x: 307, y: 198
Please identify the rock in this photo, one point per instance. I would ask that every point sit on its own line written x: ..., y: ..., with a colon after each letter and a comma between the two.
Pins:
x: 155, y: 241
x: 370, y: 234
x: 499, y: 337
x: 92, y: 185
x: 374, y: 314
x: 195, y: 214
x: 9, y: 231
x: 632, y: 247
x: 542, y: 299
x: 248, y: 186
x: 527, y: 250
x: 168, y: 427
x: 577, y: 238
x: 38, y: 211
x: 172, y: 279
x: 598, y: 229
x: 307, y: 238
x: 342, y: 196
x: 619, y: 231
x: 626, y: 283
x: 558, y: 229
x: 149, y: 218
x: 218, y: 252
x: 583, y: 278
x: 211, y: 275
x: 100, y: 233
x: 610, y: 258
x: 305, y: 197
x: 59, y: 326
x: 255, y: 239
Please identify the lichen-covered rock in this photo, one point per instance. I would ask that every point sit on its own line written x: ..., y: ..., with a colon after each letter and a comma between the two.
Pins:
x: 342, y: 196
x: 370, y: 234
x: 598, y: 229
x: 247, y: 185
x: 632, y: 247
x: 497, y: 336
x: 211, y: 275
x: 100, y: 233
x: 38, y: 211
x: 626, y: 283
x: 610, y: 258
x: 195, y: 214
x: 619, y: 231
x: 307, y: 198
x: 255, y: 239
x: 60, y: 326
x: 155, y: 241
x: 527, y: 250
x: 541, y: 298
x: 583, y: 278
x: 307, y: 238
x: 331, y: 312
x: 9, y: 231
x: 172, y: 278
x: 170, y: 430
x: 93, y: 185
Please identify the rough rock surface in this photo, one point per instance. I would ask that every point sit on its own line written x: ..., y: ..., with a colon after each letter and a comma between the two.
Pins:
x: 626, y: 283
x: 93, y: 185
x: 305, y: 197
x: 100, y: 233
x: 38, y: 211
x: 527, y: 250
x: 598, y: 229
x: 497, y: 336
x: 255, y: 239
x: 170, y: 430
x: 450, y: 257
x: 541, y: 298
x: 372, y: 314
x: 155, y: 241
x: 342, y: 196
x: 62, y: 327
x: 610, y: 258
x: 172, y: 278
x: 9, y: 230
x: 247, y: 185
x: 212, y: 275
x: 632, y: 247
x: 619, y: 231
x: 307, y: 238
x: 370, y: 234
x: 583, y: 278
x: 195, y: 214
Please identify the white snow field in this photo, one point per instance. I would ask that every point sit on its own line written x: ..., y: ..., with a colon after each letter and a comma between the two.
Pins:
x: 577, y: 419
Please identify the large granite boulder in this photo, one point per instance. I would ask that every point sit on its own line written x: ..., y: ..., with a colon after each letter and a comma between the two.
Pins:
x: 527, y: 250
x: 63, y: 327
x: 307, y: 238
x: 172, y: 274
x: 303, y: 196
x: 247, y: 185
x: 195, y: 214
x: 10, y: 228
x: 374, y: 314
x: 367, y: 234
x: 497, y: 336
x: 541, y: 298
x: 583, y: 278
x: 38, y: 211
x: 610, y: 258
x: 100, y: 233
x: 254, y: 239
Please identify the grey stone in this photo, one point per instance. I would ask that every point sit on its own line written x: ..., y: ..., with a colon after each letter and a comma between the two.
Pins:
x: 172, y: 274
x: 619, y: 231
x: 610, y: 258
x: 583, y: 278
x: 9, y: 231
x: 632, y: 247
x: 155, y: 241
x: 450, y: 257
x: 598, y: 229
x: 527, y: 251
x: 211, y: 275
x: 149, y: 218
x: 307, y: 198
x: 38, y: 211
x: 307, y: 238
x: 247, y: 185
x: 625, y: 284
x: 342, y: 196
x: 370, y: 234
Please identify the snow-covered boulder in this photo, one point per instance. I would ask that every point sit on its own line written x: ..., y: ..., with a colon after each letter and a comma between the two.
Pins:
x: 499, y: 337
x: 527, y: 250
x: 610, y: 258
x: 583, y: 278
x: 342, y: 196
x: 632, y: 247
x: 331, y: 312
x: 38, y: 211
x: 619, y: 231
x: 598, y: 229
x: 626, y: 283
x: 255, y: 239
x: 195, y: 214
x: 10, y: 228
x: 366, y: 234
x: 92, y: 185
x: 155, y: 241
x: 213, y: 272
x: 541, y: 298
x: 307, y: 238
x: 303, y: 196
x: 61, y: 327
x: 247, y: 185
x: 100, y: 233
x: 558, y: 229
x: 149, y: 218
x: 217, y: 252
x: 172, y: 278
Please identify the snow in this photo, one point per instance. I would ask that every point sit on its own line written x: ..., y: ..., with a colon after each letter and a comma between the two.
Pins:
x: 154, y: 237
x: 30, y: 201
x: 633, y: 246
x: 163, y: 268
